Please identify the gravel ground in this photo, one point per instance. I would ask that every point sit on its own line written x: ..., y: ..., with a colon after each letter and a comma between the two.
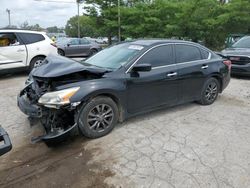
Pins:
x: 184, y: 146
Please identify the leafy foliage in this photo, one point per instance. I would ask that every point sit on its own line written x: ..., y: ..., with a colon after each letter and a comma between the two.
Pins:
x: 207, y: 21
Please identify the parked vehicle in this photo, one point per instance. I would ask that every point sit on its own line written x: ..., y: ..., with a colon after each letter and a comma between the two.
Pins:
x: 119, y: 82
x: 233, y: 38
x: 71, y: 47
x: 239, y: 54
x: 5, y: 143
x: 20, y: 49
x: 102, y: 40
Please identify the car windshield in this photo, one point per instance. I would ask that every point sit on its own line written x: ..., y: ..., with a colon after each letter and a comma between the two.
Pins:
x: 115, y: 56
x: 242, y: 43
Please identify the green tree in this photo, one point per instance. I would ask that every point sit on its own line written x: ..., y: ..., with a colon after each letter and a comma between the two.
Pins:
x: 87, y: 27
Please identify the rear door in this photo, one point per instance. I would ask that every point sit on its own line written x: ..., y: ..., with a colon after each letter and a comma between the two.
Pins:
x: 12, y: 51
x: 85, y: 46
x: 158, y: 87
x: 193, y: 68
x: 34, y: 44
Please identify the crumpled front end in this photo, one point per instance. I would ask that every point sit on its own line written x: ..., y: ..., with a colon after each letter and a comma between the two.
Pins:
x: 58, y: 121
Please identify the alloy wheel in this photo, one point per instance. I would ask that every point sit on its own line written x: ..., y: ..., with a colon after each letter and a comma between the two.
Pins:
x: 211, y: 91
x: 100, y: 117
x: 38, y: 63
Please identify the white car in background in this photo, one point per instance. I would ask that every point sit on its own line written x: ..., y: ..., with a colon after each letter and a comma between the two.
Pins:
x: 21, y: 49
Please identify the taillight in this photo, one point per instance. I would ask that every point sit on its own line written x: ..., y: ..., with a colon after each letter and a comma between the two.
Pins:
x: 228, y: 63
x: 53, y: 44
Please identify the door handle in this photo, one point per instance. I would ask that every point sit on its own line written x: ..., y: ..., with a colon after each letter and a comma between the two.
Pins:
x: 20, y: 50
x: 172, y: 74
x: 204, y: 66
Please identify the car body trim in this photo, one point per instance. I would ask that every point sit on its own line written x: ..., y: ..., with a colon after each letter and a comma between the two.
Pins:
x: 10, y: 62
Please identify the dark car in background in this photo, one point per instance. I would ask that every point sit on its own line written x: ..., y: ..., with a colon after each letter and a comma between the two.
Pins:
x: 75, y: 47
x: 119, y: 82
x: 239, y: 54
x: 233, y: 38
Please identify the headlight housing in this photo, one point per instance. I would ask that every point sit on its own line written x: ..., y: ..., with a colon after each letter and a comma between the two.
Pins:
x: 57, y: 98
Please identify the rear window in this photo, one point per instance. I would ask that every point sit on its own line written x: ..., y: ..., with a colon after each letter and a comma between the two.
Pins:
x: 29, y: 38
x: 186, y: 53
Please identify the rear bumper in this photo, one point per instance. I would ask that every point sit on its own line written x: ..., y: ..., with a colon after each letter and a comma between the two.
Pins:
x: 6, y: 146
x: 241, y: 69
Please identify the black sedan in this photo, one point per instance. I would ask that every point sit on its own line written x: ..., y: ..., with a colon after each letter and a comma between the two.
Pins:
x: 239, y: 54
x: 119, y: 82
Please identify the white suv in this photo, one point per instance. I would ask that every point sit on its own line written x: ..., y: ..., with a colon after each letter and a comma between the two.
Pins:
x: 21, y: 49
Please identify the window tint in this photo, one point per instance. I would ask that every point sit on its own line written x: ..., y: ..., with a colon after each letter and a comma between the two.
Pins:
x: 29, y: 38
x: 186, y: 53
x: 158, y: 56
x: 74, y: 42
x: 8, y: 39
x: 84, y: 41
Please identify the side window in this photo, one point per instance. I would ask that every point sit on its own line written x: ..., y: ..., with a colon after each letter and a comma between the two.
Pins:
x: 29, y: 38
x: 8, y: 39
x: 158, y: 56
x: 186, y: 53
x: 204, y: 54
x: 84, y: 41
x: 74, y: 42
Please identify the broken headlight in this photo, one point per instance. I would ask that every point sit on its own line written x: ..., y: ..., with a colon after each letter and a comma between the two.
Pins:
x: 57, y: 98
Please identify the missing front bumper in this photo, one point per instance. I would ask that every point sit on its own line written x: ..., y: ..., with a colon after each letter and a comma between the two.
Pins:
x: 54, y: 136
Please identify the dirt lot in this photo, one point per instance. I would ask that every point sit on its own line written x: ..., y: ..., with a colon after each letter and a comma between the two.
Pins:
x: 185, y: 146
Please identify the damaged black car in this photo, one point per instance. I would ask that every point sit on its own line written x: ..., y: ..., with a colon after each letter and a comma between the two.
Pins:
x: 119, y: 82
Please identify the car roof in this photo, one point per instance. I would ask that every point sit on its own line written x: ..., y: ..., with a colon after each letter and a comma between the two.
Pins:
x: 21, y: 31
x: 152, y: 42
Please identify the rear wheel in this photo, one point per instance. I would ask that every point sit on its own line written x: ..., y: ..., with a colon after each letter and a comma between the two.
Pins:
x: 98, y: 117
x: 61, y: 52
x: 35, y: 62
x: 210, y: 91
x: 92, y: 52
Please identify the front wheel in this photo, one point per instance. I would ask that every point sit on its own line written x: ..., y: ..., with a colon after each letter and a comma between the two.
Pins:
x: 210, y: 91
x: 98, y: 117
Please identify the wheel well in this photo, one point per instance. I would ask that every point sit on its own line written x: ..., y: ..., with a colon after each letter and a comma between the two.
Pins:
x: 94, y: 49
x: 220, y: 81
x: 118, y: 103
x: 37, y: 57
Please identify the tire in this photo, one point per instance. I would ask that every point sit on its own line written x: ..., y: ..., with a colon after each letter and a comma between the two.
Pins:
x: 98, y: 117
x: 35, y: 61
x: 210, y: 91
x: 61, y: 52
x: 92, y: 52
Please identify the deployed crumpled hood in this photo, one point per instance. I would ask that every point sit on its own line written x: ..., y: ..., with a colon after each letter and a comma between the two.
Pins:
x: 236, y: 51
x: 56, y: 66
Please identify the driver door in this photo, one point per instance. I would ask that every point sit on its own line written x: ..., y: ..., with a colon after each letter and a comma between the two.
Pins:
x: 158, y: 87
x: 12, y: 51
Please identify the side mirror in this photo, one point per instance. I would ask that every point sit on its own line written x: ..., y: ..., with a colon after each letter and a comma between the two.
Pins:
x: 142, y: 68
x: 68, y: 44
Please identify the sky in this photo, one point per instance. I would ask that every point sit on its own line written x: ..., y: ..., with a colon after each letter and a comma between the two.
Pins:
x: 45, y: 14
